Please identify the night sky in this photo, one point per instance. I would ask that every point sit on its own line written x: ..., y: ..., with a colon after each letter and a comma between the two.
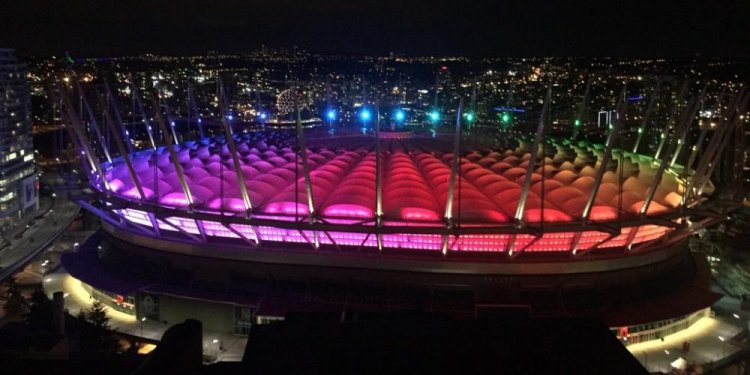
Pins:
x: 474, y: 28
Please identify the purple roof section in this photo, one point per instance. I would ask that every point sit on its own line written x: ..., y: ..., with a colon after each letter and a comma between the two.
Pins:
x: 415, y: 183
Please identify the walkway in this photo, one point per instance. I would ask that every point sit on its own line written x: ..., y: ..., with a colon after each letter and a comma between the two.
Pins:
x: 711, y: 340
x: 222, y: 346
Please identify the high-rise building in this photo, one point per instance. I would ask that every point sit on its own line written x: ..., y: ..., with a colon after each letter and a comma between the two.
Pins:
x: 18, y: 179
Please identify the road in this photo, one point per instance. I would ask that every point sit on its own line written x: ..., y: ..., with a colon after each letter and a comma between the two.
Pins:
x: 37, y: 230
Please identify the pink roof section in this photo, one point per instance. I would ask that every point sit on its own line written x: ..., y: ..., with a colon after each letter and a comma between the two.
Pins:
x: 415, y: 184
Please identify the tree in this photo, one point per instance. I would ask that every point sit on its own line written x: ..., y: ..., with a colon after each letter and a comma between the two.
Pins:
x: 40, y: 312
x: 96, y: 314
x: 96, y: 334
x: 16, y: 303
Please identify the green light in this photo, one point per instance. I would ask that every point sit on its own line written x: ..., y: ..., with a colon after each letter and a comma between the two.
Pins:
x: 505, y: 118
x: 577, y: 122
x: 434, y: 116
x: 640, y: 130
x: 469, y: 116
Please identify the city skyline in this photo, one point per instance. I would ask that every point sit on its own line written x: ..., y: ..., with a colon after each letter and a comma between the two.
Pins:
x: 191, y: 182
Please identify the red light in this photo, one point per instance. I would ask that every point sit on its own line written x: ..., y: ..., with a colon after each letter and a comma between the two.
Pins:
x: 444, y: 67
x: 623, y: 332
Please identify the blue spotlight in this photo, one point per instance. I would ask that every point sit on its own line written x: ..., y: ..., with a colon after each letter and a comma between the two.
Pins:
x: 331, y: 115
x: 399, y: 115
x: 263, y: 115
x: 365, y: 115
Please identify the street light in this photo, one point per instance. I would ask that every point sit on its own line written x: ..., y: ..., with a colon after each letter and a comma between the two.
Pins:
x: 143, y: 319
x: 723, y: 346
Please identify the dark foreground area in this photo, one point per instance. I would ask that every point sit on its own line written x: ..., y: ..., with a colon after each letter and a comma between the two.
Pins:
x: 356, y: 343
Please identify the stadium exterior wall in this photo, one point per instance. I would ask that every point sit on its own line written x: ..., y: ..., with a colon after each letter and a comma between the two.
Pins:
x: 219, y: 263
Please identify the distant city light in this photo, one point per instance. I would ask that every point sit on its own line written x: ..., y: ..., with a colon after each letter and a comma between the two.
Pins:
x: 230, y: 117
x: 577, y: 122
x: 469, y: 116
x: 399, y: 115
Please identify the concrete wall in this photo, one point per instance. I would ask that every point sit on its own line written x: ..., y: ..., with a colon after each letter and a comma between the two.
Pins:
x: 214, y: 316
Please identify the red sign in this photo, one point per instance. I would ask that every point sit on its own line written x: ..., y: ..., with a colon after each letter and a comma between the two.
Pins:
x: 623, y: 332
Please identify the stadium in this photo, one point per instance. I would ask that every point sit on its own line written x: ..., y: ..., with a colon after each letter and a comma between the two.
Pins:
x: 253, y: 225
